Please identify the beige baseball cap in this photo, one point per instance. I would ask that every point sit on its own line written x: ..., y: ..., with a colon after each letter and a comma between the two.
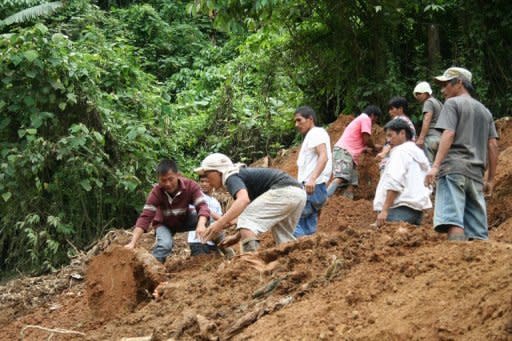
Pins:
x: 215, y: 162
x: 422, y: 87
x: 454, y: 72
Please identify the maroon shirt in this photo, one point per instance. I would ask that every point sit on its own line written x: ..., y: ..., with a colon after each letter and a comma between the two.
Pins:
x: 162, y: 208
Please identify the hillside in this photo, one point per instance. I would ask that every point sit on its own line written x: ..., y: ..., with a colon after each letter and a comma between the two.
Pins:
x: 350, y: 281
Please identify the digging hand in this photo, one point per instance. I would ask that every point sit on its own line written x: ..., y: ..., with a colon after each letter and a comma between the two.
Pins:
x: 230, y: 240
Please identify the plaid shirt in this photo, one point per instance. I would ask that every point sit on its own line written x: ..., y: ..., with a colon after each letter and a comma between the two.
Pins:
x: 163, y: 209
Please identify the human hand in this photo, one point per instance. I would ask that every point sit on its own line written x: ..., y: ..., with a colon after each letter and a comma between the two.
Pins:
x: 381, y: 218
x: 310, y: 187
x: 488, y: 188
x: 200, y: 232
x: 230, y: 240
x: 420, y: 142
x: 431, y: 176
x: 212, y: 232
x: 159, y: 290
x: 380, y: 156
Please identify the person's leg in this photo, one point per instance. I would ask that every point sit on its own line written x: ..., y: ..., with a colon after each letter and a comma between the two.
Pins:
x: 449, y: 206
x: 342, y: 170
x: 267, y: 210
x: 289, y: 215
x: 475, y: 214
x: 164, y: 243
x: 309, y: 218
x: 197, y: 249
x: 404, y: 213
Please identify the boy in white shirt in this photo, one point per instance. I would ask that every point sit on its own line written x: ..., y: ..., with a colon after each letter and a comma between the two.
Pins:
x: 194, y: 243
x: 401, y: 195
x: 315, y: 167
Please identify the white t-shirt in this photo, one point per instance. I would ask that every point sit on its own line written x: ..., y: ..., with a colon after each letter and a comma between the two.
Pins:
x: 214, y: 206
x: 308, y: 157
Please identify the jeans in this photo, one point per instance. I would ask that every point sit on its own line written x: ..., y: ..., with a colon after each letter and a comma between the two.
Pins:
x: 309, y: 218
x: 460, y: 202
x: 164, y: 242
x: 197, y: 249
x: 404, y: 213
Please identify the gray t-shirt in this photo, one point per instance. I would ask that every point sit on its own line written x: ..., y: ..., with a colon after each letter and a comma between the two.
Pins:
x: 258, y: 180
x: 473, y: 125
x: 433, y: 105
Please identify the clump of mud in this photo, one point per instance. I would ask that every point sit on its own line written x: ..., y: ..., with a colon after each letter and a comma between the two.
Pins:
x: 119, y: 280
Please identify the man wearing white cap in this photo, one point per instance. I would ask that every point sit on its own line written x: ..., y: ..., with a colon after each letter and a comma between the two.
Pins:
x: 467, y: 148
x: 429, y: 137
x: 265, y: 199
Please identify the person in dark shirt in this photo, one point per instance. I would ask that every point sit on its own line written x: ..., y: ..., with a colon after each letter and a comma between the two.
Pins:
x: 265, y: 200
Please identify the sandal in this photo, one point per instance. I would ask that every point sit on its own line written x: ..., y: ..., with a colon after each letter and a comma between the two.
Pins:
x: 251, y: 244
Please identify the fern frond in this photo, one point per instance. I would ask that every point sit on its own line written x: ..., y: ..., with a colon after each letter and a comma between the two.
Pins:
x: 32, y: 12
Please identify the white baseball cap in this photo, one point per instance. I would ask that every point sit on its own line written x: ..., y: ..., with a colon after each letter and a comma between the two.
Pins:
x: 215, y: 162
x: 421, y: 88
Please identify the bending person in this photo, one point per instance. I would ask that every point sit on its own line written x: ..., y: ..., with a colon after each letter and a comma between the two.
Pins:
x: 265, y: 199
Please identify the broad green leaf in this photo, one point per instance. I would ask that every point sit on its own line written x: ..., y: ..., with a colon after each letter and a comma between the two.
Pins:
x: 6, y: 196
x: 31, y: 55
x: 86, y: 184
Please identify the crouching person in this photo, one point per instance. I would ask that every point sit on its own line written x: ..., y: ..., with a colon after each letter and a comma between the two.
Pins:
x: 401, y: 195
x: 265, y: 199
x: 168, y: 209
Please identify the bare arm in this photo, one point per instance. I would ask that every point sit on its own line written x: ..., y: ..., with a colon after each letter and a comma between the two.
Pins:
x: 390, y: 199
x: 427, y: 118
x: 137, y: 232
x: 367, y: 140
x: 241, y: 202
x: 444, y: 146
x: 321, y: 151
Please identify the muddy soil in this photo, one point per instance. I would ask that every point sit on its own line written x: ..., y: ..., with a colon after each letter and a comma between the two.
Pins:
x: 350, y: 281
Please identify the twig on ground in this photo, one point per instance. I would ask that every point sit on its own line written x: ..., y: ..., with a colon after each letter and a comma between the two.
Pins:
x: 51, y: 331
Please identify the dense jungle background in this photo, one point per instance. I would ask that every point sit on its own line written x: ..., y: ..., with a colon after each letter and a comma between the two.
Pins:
x: 94, y: 93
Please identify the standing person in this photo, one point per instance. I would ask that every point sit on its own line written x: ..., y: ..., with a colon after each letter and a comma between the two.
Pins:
x: 265, y: 199
x: 167, y: 208
x: 314, y: 168
x: 197, y: 247
x: 468, y: 146
x: 397, y: 109
x: 356, y: 139
x: 429, y: 137
x: 399, y: 195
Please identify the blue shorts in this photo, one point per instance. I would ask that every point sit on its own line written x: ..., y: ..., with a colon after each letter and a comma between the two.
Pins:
x: 460, y: 202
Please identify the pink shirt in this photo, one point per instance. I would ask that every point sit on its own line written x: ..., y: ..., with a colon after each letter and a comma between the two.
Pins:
x: 352, y: 138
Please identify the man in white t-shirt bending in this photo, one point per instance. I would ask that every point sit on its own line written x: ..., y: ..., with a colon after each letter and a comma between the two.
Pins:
x: 315, y: 167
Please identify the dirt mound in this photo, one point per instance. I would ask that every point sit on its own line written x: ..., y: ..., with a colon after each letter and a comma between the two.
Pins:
x: 349, y: 281
x: 501, y: 201
x: 504, y: 128
x: 119, y: 280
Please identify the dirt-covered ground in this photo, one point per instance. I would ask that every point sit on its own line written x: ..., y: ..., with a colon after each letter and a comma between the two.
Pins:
x: 350, y: 281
